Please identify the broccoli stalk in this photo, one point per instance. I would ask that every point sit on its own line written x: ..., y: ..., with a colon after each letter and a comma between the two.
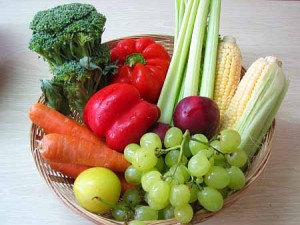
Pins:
x: 68, y: 37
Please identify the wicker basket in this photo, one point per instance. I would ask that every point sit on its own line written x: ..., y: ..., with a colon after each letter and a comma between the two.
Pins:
x: 62, y: 185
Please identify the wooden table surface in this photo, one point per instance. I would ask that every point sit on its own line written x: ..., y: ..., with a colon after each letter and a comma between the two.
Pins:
x: 261, y: 28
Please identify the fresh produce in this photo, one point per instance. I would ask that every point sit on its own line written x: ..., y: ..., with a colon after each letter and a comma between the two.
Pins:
x: 73, y: 170
x: 97, y: 189
x: 191, y: 73
x: 211, y: 199
x: 236, y: 178
x: 142, y: 63
x: 160, y: 129
x: 118, y: 113
x: 228, y: 72
x: 203, y: 176
x: 68, y: 37
x: 211, y: 48
x: 67, y: 149
x: 189, y: 151
x: 256, y: 102
x: 198, y: 115
x: 124, y: 184
x: 68, y: 169
x: 184, y: 213
x: 54, y: 122
x: 136, y: 222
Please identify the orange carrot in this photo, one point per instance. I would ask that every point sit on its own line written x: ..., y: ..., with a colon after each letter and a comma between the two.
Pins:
x: 73, y: 170
x: 53, y: 121
x: 124, y: 185
x: 68, y: 169
x: 68, y: 149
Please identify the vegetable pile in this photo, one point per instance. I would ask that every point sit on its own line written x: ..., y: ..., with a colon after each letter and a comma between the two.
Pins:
x: 170, y: 134
x: 68, y: 37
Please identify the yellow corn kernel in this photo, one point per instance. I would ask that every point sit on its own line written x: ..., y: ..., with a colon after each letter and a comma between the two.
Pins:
x: 243, y: 93
x: 228, y: 72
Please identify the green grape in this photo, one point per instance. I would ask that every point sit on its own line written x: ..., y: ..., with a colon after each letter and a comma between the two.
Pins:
x: 177, y: 174
x: 186, y: 149
x: 160, y: 165
x: 133, y: 175
x: 196, y: 146
x: 144, y: 159
x: 207, y: 152
x: 149, y: 178
x: 130, y: 151
x: 121, y: 212
x: 159, y: 192
x: 231, y: 140
x: 150, y: 141
x: 157, y: 205
x: 198, y: 165
x: 237, y: 178
x: 136, y: 222
x: 166, y: 213
x: 211, y: 161
x: 171, y: 158
x: 238, y: 158
x: 179, y: 195
x: 218, y: 145
x: 132, y: 197
x: 184, y: 213
x: 199, y: 180
x: 217, y: 177
x: 194, y: 192
x: 145, y: 213
x: 183, y: 170
x: 173, y: 137
x: 220, y: 160
x: 174, y: 181
x: 210, y: 199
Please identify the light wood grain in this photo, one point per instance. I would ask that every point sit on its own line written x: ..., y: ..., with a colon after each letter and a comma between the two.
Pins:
x: 261, y: 28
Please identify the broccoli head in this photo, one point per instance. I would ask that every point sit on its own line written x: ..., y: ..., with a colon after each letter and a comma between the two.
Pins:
x: 68, y: 37
x: 73, y: 83
x: 67, y: 32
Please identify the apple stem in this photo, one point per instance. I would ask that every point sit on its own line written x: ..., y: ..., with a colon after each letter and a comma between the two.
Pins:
x: 103, y: 201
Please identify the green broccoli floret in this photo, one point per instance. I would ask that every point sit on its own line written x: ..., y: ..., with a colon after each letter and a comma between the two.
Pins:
x: 54, y: 96
x: 78, y: 80
x: 67, y: 32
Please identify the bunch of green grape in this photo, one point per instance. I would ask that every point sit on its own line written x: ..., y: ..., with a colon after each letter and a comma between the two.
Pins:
x: 183, y: 171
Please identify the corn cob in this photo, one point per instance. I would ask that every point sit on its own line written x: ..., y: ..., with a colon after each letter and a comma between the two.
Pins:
x: 228, y: 72
x: 239, y: 101
x: 256, y: 102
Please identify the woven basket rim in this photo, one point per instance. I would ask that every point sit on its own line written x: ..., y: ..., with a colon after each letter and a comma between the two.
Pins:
x: 64, y: 193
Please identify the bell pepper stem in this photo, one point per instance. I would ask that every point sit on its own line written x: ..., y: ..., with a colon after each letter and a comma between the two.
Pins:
x: 134, y: 58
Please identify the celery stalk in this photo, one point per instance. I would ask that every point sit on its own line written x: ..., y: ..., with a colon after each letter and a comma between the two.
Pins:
x: 192, y: 78
x: 179, y: 14
x: 171, y: 87
x: 211, y: 47
x: 177, y: 24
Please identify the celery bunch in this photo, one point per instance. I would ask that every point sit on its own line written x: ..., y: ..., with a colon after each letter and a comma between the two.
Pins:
x: 194, y: 56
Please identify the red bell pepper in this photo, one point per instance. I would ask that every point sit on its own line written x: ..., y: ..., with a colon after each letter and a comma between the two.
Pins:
x: 142, y: 63
x: 118, y: 113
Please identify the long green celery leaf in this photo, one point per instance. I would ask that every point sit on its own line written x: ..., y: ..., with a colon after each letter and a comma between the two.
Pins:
x: 192, y: 77
x: 171, y: 87
x: 211, y: 47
